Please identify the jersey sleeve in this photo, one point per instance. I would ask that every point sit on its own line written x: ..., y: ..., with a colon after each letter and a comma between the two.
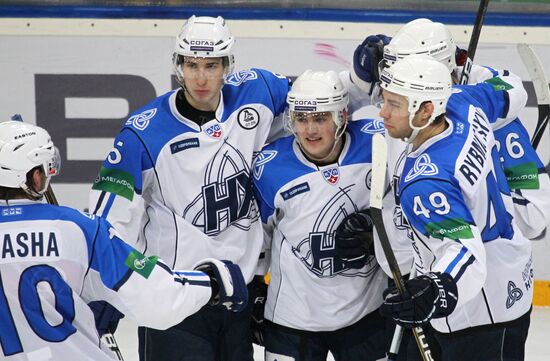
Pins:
x: 526, y: 177
x: 137, y: 284
x: 117, y: 191
x: 444, y: 225
x: 278, y: 87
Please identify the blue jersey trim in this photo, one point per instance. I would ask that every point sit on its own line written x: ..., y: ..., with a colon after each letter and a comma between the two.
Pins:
x: 457, y: 259
x: 463, y: 268
x: 239, y: 13
x: 110, y: 202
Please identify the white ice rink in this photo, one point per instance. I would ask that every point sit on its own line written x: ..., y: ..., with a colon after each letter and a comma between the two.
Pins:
x: 538, y: 342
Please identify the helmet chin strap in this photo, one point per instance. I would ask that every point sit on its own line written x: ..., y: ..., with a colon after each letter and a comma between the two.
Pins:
x: 415, y: 129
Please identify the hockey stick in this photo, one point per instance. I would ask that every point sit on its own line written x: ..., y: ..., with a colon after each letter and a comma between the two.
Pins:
x: 540, y: 82
x: 379, y: 160
x: 472, y: 46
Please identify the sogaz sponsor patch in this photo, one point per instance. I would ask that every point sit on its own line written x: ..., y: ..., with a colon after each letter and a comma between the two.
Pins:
x: 454, y: 229
x: 141, y: 264
x: 115, y: 181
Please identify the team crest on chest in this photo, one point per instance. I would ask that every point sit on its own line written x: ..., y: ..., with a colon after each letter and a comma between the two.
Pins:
x: 331, y: 175
x: 214, y: 131
x: 248, y: 118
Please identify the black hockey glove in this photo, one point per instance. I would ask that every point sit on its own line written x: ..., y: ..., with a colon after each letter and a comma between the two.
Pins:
x: 366, y: 58
x: 106, y: 317
x: 353, y: 239
x: 259, y: 295
x: 432, y: 295
x: 227, y: 282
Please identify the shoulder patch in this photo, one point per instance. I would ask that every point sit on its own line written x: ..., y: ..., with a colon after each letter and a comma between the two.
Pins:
x: 422, y: 166
x: 141, y: 121
x: 248, y: 118
x: 376, y: 126
x: 240, y: 77
x: 262, y: 158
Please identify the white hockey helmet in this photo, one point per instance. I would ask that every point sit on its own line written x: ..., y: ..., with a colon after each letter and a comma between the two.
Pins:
x: 422, y: 36
x: 419, y: 78
x: 204, y: 37
x: 23, y: 147
x: 319, y: 91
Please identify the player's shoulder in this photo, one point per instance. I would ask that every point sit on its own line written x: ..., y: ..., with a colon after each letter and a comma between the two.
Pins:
x: 366, y: 127
x: 274, y: 156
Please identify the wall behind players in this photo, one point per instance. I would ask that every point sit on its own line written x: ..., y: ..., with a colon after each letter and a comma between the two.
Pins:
x: 80, y: 78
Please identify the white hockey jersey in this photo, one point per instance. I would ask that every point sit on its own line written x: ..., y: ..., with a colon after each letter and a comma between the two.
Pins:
x: 527, y: 176
x: 184, y: 191
x: 54, y: 260
x: 301, y: 205
x: 455, y: 196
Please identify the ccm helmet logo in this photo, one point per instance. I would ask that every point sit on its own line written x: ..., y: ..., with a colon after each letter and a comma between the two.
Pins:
x: 201, y: 42
x: 305, y: 102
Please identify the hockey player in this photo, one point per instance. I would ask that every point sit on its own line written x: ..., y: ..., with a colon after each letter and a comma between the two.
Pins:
x: 527, y: 176
x: 475, y: 282
x: 54, y: 260
x: 319, y: 299
x: 178, y: 180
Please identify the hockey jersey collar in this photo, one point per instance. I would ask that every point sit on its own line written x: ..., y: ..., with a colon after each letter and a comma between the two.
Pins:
x: 17, y: 202
x: 188, y: 122
x: 428, y: 143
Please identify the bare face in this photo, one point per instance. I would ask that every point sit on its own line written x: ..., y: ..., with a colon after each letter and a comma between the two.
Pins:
x: 203, y: 79
x: 315, y: 133
x: 395, y: 113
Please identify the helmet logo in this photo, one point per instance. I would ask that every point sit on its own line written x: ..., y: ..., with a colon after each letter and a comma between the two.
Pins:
x: 248, y: 118
x: 331, y: 175
x: 201, y: 45
x: 214, y: 131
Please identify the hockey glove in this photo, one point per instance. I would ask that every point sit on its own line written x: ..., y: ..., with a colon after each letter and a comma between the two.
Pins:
x: 353, y: 239
x: 227, y: 282
x: 365, y: 61
x: 460, y: 56
x: 106, y: 317
x: 259, y: 294
x: 432, y: 295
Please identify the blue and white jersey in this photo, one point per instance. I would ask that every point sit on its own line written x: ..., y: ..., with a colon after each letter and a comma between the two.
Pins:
x: 455, y: 196
x: 301, y: 205
x: 55, y: 260
x: 184, y: 192
x: 527, y: 176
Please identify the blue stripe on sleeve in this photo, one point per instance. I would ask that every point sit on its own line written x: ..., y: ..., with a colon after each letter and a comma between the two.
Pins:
x: 109, y: 204
x: 457, y: 259
x: 463, y: 268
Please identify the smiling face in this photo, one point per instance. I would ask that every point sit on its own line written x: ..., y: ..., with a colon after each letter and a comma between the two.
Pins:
x: 315, y: 131
x: 203, y: 79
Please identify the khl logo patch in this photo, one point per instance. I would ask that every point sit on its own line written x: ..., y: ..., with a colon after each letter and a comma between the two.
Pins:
x: 331, y: 175
x: 214, y: 131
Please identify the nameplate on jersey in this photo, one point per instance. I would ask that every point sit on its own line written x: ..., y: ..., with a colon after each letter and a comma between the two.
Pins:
x: 184, y: 145
x: 294, y: 191
x: 27, y: 246
x: 331, y: 175
x: 12, y: 211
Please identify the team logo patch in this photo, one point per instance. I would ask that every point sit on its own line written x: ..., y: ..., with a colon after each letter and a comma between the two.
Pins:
x: 261, y: 160
x: 514, y: 294
x: 422, y: 166
x: 331, y: 175
x: 248, y: 118
x: 141, y: 121
x: 214, y: 131
x: 374, y: 127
